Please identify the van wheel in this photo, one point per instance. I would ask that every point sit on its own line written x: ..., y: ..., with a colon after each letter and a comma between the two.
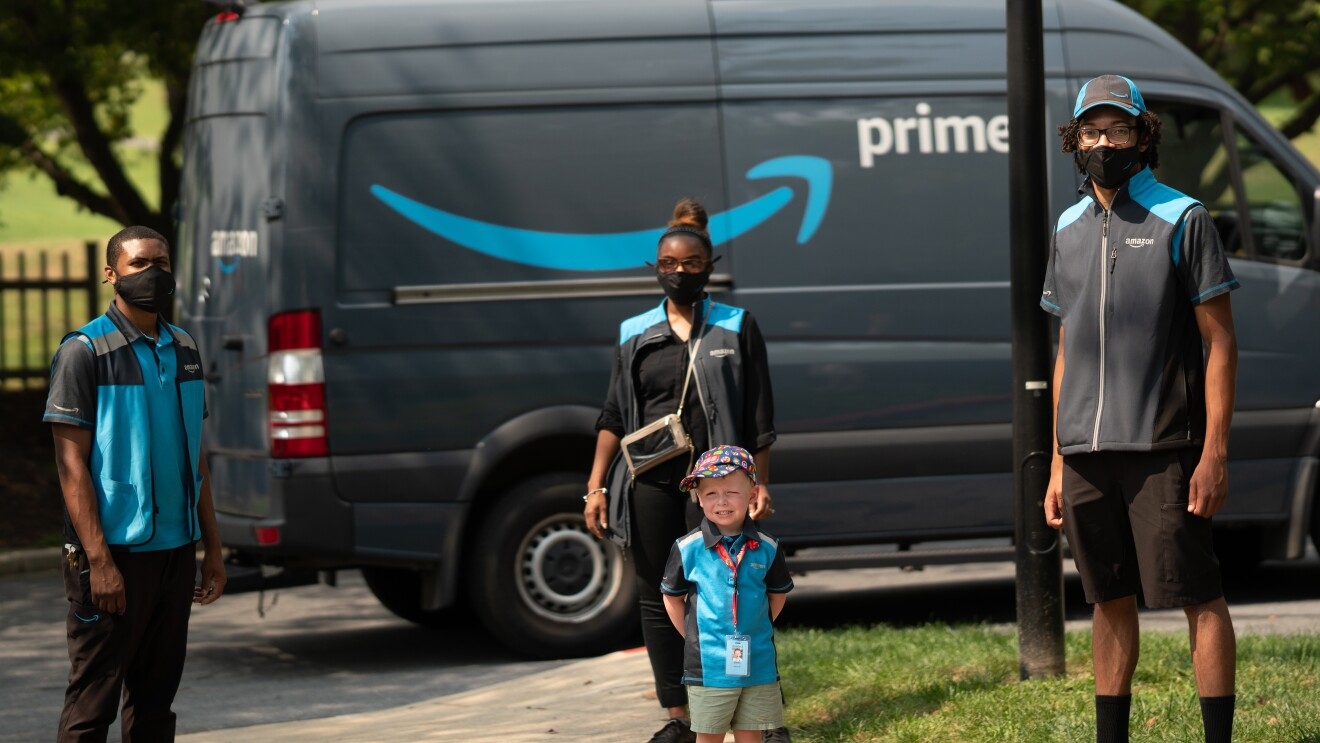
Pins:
x: 541, y: 583
x: 400, y: 591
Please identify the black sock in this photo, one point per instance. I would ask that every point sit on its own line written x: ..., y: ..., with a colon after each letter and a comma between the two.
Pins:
x: 1217, y: 716
x: 1111, y: 718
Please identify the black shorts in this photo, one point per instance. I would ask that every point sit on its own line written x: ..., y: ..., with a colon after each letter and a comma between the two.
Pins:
x: 1125, y: 514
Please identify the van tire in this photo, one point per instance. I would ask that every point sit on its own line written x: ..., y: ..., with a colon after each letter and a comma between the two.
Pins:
x: 400, y: 591
x: 541, y: 583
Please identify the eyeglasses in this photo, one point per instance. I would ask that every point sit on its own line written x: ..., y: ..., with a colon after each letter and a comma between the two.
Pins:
x: 1116, y: 134
x: 690, y: 265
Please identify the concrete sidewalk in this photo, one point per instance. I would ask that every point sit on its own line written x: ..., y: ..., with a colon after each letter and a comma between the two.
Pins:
x: 36, y: 560
x: 606, y: 698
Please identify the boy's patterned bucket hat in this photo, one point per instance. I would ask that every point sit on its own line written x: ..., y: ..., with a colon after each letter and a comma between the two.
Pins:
x: 718, y: 462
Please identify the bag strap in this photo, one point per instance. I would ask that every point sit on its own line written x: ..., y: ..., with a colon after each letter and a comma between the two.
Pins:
x: 692, y: 360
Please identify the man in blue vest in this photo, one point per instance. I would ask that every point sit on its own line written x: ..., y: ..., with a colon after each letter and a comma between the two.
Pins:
x: 1143, y: 399
x: 126, y: 405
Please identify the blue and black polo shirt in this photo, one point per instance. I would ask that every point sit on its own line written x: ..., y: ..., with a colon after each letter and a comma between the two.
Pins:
x: 143, y: 399
x: 696, y: 570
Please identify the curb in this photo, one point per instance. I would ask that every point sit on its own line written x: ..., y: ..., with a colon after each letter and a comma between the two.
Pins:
x: 40, y: 560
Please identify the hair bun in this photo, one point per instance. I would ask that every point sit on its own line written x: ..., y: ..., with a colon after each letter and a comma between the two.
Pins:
x: 689, y: 212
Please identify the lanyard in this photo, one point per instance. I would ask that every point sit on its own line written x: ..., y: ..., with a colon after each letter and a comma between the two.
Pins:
x: 733, y: 566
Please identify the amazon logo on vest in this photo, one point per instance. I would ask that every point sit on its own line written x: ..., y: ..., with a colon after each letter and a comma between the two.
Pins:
x: 623, y: 250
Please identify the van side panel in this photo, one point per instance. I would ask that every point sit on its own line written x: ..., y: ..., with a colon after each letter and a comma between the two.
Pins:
x: 891, y: 327
x: 435, y: 375
x: 468, y: 193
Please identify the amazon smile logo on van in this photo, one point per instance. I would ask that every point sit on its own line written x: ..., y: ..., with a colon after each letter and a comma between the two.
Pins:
x: 623, y: 250
x: 230, y: 247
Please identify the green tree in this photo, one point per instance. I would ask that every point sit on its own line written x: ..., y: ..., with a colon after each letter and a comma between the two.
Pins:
x: 1261, y: 47
x: 69, y: 70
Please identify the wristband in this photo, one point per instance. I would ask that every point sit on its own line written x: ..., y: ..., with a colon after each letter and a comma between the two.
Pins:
x: 590, y: 493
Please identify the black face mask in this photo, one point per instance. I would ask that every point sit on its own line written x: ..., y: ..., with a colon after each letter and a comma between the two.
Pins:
x: 149, y: 290
x: 683, y: 288
x: 1108, y: 167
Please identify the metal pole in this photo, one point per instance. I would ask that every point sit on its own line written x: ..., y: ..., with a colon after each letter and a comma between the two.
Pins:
x: 22, y: 319
x: 93, y: 280
x: 1039, y: 559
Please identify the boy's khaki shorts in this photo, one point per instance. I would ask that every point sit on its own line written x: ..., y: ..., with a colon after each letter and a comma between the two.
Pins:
x: 1125, y: 514
x: 717, y: 710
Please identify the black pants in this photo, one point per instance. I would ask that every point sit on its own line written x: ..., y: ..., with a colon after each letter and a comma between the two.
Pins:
x: 138, y: 654
x: 661, y: 513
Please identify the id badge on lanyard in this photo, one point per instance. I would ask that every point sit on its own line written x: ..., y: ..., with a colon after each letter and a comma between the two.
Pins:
x: 737, y: 655
x: 737, y: 647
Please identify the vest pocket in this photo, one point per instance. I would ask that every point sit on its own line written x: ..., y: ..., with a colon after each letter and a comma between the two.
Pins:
x: 123, y: 514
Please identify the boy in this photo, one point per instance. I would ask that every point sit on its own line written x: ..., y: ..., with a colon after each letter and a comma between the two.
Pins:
x: 723, y: 587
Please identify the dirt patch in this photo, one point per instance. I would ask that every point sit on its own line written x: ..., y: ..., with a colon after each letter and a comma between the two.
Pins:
x: 29, y: 487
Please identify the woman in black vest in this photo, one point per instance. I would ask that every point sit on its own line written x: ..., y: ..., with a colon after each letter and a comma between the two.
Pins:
x: 725, y: 398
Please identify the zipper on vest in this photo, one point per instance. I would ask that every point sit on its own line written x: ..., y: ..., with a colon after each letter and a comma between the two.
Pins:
x: 1104, y: 302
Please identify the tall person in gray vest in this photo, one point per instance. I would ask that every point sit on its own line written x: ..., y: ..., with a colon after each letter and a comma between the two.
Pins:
x: 1143, y: 397
x: 126, y: 406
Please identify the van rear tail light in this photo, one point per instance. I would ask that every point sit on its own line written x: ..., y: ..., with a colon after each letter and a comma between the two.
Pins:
x: 295, y: 379
x: 267, y: 536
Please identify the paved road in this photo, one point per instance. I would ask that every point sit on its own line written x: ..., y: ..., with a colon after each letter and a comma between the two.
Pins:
x: 317, y: 651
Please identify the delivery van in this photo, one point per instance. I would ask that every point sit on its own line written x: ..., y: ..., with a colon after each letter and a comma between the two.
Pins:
x: 410, y: 229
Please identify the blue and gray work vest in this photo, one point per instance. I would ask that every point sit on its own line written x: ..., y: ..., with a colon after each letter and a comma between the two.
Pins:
x: 1125, y: 283
x: 121, y: 452
x: 718, y: 373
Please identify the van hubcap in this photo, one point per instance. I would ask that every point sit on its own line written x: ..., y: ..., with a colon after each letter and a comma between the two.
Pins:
x: 564, y: 573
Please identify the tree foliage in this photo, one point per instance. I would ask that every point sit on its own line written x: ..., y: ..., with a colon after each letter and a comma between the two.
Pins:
x: 1261, y: 47
x: 69, y: 70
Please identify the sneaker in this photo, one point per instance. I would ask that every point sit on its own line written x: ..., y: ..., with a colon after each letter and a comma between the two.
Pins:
x: 778, y: 735
x: 675, y: 731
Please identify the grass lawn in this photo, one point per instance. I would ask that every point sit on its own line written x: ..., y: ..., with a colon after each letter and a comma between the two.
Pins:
x: 936, y: 683
x: 34, y: 217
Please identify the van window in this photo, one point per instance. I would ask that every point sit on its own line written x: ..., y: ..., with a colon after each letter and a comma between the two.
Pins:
x: 1194, y: 158
x: 1275, y: 209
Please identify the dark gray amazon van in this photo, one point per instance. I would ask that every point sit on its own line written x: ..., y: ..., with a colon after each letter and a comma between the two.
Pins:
x: 410, y: 230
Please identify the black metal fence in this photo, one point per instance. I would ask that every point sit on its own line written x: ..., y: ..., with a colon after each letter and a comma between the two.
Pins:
x: 39, y: 304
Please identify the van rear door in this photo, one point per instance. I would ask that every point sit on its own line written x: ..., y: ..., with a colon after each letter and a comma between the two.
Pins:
x: 225, y: 236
